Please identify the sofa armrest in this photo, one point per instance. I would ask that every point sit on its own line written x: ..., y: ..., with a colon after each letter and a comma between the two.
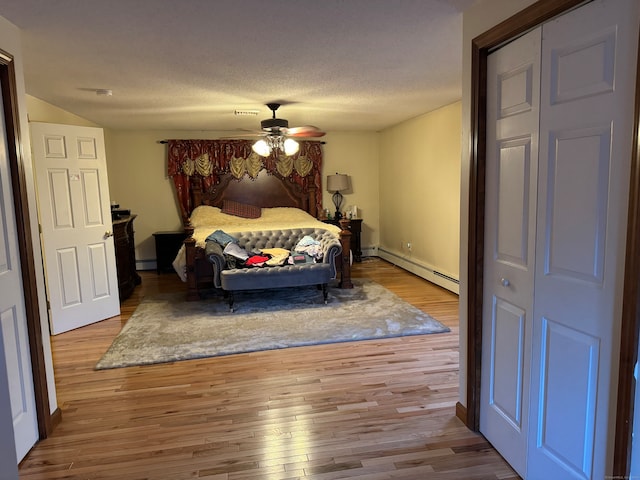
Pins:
x: 331, y: 249
x: 331, y: 256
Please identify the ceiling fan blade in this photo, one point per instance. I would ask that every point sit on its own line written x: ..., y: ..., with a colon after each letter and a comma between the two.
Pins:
x: 240, y: 133
x: 305, y: 131
x: 245, y: 135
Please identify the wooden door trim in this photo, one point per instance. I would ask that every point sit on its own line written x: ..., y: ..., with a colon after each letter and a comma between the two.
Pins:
x: 630, y: 329
x: 481, y: 46
x: 23, y: 228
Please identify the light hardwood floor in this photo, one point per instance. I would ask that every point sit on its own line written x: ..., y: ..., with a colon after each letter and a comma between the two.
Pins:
x: 370, y: 410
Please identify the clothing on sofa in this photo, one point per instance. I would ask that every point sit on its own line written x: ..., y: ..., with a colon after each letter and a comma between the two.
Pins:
x: 234, y: 255
x: 236, y: 250
x: 310, y: 246
x: 278, y: 260
x: 256, y: 260
x: 221, y: 238
x: 274, y: 252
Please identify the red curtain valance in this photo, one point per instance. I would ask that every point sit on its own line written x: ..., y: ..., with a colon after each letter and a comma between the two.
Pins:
x: 210, y: 159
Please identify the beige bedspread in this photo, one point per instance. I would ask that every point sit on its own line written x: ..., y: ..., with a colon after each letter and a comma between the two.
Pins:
x: 207, y: 220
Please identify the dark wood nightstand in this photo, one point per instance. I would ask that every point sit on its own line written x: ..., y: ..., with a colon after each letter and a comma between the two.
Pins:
x: 355, y: 226
x: 167, y: 246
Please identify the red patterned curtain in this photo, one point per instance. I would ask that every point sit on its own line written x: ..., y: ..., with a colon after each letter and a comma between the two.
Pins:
x: 210, y: 159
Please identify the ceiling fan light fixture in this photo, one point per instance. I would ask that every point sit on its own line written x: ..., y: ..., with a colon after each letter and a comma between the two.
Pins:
x: 261, y: 148
x: 291, y: 146
x: 277, y: 135
x: 275, y: 142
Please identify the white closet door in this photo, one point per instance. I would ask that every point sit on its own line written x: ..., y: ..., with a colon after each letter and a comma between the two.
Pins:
x: 586, y: 118
x: 513, y: 97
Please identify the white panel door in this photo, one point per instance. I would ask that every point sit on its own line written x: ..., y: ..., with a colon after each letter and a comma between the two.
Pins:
x: 75, y: 214
x: 13, y: 321
x: 586, y: 120
x: 8, y: 458
x: 513, y: 89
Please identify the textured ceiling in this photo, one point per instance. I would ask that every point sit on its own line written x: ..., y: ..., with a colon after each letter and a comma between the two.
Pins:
x: 188, y: 64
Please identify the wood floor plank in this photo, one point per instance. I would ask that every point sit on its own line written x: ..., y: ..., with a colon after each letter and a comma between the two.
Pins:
x: 368, y: 410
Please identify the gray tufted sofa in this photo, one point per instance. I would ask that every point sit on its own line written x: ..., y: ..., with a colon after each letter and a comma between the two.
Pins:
x: 235, y: 279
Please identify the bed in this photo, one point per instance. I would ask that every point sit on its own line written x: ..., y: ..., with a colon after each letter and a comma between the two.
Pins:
x: 282, y: 205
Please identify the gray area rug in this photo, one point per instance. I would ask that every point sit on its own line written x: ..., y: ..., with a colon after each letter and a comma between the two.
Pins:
x: 166, y: 328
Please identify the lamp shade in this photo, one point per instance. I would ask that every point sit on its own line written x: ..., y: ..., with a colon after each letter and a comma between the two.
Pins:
x: 337, y: 182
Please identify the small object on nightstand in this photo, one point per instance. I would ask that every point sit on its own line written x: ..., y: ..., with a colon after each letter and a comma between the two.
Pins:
x: 118, y: 213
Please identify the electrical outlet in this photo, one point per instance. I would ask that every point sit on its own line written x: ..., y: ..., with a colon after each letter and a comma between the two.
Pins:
x: 409, y: 246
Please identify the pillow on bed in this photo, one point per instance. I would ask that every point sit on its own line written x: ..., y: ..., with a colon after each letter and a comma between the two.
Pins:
x: 238, y: 209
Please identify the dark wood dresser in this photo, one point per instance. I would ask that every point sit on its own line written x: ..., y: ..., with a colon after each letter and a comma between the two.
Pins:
x: 125, y: 247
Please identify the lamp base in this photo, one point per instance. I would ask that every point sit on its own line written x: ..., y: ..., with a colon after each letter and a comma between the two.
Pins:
x: 337, y: 201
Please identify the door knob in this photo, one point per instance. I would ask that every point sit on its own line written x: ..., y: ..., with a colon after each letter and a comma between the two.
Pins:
x: 505, y: 282
x: 108, y: 234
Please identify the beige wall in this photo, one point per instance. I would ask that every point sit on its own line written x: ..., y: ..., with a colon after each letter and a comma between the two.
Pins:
x: 420, y: 193
x: 476, y: 20
x: 356, y: 154
x: 40, y: 111
x: 138, y: 181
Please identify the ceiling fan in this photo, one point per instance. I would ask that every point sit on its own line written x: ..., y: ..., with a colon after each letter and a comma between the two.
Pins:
x: 278, y: 135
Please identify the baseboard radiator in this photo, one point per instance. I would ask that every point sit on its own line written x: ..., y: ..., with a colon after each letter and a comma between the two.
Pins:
x: 422, y: 270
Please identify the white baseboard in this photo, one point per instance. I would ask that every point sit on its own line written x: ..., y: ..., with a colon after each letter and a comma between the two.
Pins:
x: 422, y: 270
x: 146, y: 265
x: 370, y: 251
